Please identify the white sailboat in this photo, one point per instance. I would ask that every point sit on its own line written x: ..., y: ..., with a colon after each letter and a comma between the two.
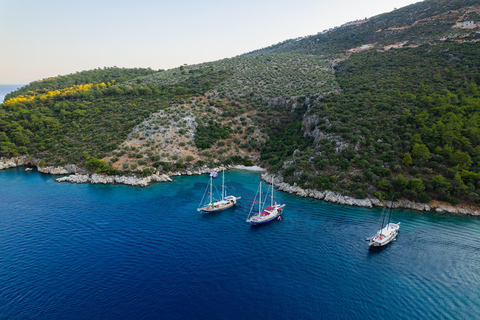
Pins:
x: 271, y: 212
x: 386, y: 233
x: 214, y: 205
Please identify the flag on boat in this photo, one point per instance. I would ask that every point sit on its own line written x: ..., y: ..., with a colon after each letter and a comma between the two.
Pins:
x: 214, y: 174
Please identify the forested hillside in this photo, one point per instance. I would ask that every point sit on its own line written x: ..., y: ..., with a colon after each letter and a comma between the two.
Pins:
x: 407, y: 121
x: 379, y: 106
x: 96, y: 76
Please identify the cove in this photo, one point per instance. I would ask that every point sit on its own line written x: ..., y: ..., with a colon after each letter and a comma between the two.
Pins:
x: 87, y: 251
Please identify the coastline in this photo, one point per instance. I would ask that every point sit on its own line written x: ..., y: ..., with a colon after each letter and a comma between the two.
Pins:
x: 335, y: 197
x: 76, y: 174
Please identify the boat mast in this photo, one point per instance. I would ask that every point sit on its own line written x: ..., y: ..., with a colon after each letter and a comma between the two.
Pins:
x: 383, y: 220
x: 272, y: 191
x: 390, y: 212
x: 211, y: 183
x: 223, y: 184
x: 260, y: 200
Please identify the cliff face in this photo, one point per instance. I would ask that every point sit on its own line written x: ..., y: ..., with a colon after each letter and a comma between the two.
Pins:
x: 14, y: 162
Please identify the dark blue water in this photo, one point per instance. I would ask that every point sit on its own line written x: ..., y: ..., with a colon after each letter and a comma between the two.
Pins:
x: 116, y: 252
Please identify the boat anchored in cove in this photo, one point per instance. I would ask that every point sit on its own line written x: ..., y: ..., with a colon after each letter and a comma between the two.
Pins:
x: 386, y: 234
x: 271, y: 212
x: 225, y: 201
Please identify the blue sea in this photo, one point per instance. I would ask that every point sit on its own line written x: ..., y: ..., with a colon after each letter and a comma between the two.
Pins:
x: 7, y: 88
x: 71, y: 251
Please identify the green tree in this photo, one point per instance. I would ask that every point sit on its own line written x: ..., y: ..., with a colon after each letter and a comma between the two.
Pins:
x: 407, y: 160
x: 440, y: 183
x: 461, y: 159
x: 383, y: 185
x: 416, y: 139
x: 421, y: 151
x: 400, y: 182
x: 417, y: 186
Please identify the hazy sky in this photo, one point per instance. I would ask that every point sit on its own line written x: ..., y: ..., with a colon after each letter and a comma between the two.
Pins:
x: 40, y: 39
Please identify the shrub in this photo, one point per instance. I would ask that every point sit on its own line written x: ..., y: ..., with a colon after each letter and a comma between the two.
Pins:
x: 96, y: 165
x: 287, y: 172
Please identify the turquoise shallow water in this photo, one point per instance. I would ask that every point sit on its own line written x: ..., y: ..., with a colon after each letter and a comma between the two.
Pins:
x: 115, y: 252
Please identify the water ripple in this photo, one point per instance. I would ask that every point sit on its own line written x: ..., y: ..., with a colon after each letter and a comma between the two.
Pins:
x: 114, y: 252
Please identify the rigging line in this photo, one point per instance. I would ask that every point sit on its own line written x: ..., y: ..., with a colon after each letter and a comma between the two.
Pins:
x: 201, y: 202
x: 216, y: 190
x: 265, y: 198
x: 253, y: 203
x: 381, y: 216
x: 230, y: 186
x: 390, y: 212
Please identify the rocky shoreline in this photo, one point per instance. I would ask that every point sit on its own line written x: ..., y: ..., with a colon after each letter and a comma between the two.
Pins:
x: 79, y: 175
x: 104, y: 179
x: 335, y: 197
x: 131, y: 180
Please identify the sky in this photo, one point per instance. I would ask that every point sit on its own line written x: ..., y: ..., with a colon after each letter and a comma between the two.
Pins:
x: 41, y: 39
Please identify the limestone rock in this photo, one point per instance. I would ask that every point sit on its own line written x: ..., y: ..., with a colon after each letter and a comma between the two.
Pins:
x: 161, y: 178
x: 75, y: 178
x: 69, y: 168
x: 13, y: 162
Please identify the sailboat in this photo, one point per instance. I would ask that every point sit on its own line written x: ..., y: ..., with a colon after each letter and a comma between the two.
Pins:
x: 386, y: 234
x: 217, y: 205
x: 271, y: 212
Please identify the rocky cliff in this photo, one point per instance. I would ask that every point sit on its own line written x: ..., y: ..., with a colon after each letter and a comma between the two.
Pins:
x: 14, y: 162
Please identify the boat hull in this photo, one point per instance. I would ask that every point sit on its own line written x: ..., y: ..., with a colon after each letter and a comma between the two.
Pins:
x: 217, y: 209
x: 265, y: 221
x: 256, y: 220
x: 381, y: 240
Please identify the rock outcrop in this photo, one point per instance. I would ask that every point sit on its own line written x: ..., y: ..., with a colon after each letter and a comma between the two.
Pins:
x: 104, y: 179
x: 13, y: 162
x: 20, y: 161
x: 68, y: 169
x: 75, y: 178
